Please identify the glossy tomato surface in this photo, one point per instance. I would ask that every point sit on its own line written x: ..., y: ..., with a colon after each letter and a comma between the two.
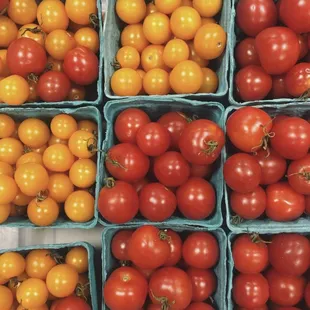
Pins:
x: 246, y: 54
x: 72, y: 303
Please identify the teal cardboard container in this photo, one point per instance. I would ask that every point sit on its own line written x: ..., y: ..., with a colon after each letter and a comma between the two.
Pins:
x: 109, y: 264
x: 155, y: 108
x: 46, y: 114
x: 112, y: 31
x: 266, y: 225
x: 64, y: 247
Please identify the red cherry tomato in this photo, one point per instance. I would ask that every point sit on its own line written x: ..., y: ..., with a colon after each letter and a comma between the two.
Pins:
x: 278, y: 89
x: 81, y: 65
x: 303, y: 44
x: 201, y: 142
x: 278, y: 49
x: 289, y: 254
x: 196, y: 199
x: 126, y: 162
x: 72, y: 303
x: 156, y: 202
x: 119, y: 244
x: 199, y: 306
x: 175, y: 243
x: 245, y: 53
x: 126, y: 288
x: 25, y: 56
x: 118, y: 202
x: 149, y: 247
x: 242, y: 173
x: 201, y: 171
x: 253, y: 16
x: 200, y: 250
x: 173, y: 285
x: 253, y: 83
x: 249, y: 206
x: 53, y: 86
x: 283, y: 203
x: 307, y: 295
x: 128, y: 123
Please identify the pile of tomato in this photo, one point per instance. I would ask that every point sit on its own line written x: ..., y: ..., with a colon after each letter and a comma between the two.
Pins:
x: 273, y: 56
x: 47, y: 50
x: 269, y: 173
x: 274, y: 271
x: 47, y: 168
x: 175, y: 271
x: 160, y: 167
x: 45, y: 279
x: 166, y: 47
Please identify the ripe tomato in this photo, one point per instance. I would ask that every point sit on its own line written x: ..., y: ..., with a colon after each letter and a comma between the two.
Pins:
x: 204, y: 283
x: 200, y: 250
x: 279, y: 89
x: 249, y: 206
x: 3, y: 5
x: 285, y: 290
x: 250, y: 254
x: 171, y: 169
x: 156, y: 82
x: 126, y: 288
x: 247, y: 127
x: 72, y: 303
x: 89, y: 126
x: 5, y: 212
x: 118, y: 202
x: 63, y: 126
x: 119, y: 244
x: 22, y: 11
x: 78, y: 258
x: 149, y: 247
x: 280, y: 39
x: 167, y: 6
x: 253, y: 16
x: 81, y: 12
x: 283, y: 203
x: 291, y: 138
x: 175, y: 244
x: 296, y: 15
x: 152, y: 57
x: 11, y: 150
x: 8, y: 189
x: 127, y: 57
x: 8, y: 31
x: 156, y: 202
x: 297, y: 80
x: 175, y: 51
x: 209, y: 8
x: 6, y: 298
x: 133, y: 35
x: 253, y: 83
x: 210, y: 81
x: 12, y: 265
x: 83, y: 173
x: 6, y: 169
x: 210, y: 41
x: 170, y: 287
x: 196, y: 199
x: 83, y: 144
x: 246, y: 54
x: 32, y: 31
x: 87, y: 37
x: 289, y: 254
x: 81, y: 65
x: 201, y: 142
x: 184, y: 22
x: 195, y: 57
x: 201, y: 171
x: 7, y: 126
x: 131, y: 12
x: 250, y: 290
x: 126, y: 82
x: 303, y: 44
x: 242, y: 173
x: 200, y: 306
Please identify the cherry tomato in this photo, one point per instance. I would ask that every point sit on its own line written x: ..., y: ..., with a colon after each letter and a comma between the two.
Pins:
x: 83, y: 144
x: 156, y: 82
x: 8, y: 31
x: 131, y: 12
x: 72, y: 303
x: 195, y: 57
x: 207, y: 9
x: 12, y: 265
x: 77, y: 257
x: 253, y: 16
x: 283, y: 203
x: 210, y: 81
x: 175, y: 244
x: 171, y: 169
x: 200, y: 250
x: 279, y: 89
x: 81, y: 65
x: 119, y: 244
x: 22, y: 11
x: 133, y: 35
x: 152, y: 58
x: 127, y: 57
x: 303, y: 44
x: 54, y: 64
x: 81, y: 12
x: 63, y: 126
x: 118, y: 202
x: 87, y: 37
x: 89, y: 126
x: 167, y: 6
x: 32, y: 31
x: 126, y: 82
x: 245, y: 53
x: 140, y: 184
x: 149, y: 247
x: 14, y: 90
x: 6, y: 298
x: 175, y: 51
x: 126, y: 288
x: 11, y: 150
x: 83, y: 173
x: 7, y: 126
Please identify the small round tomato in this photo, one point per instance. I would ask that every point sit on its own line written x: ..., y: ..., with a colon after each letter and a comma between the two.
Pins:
x: 303, y: 44
x: 8, y: 31
x: 30, y: 157
x: 87, y: 37
x: 152, y: 57
x: 195, y: 57
x: 5, y: 212
x: 127, y: 57
x: 126, y: 82
x: 32, y: 31
x: 167, y: 6
x: 83, y: 173
x: 12, y: 265
x: 6, y: 169
x: 131, y: 11
x: 21, y: 199
x: 210, y: 81
x: 279, y: 89
x: 63, y: 126
x: 59, y: 187
x: 83, y: 144
x: 175, y: 243
x: 81, y: 12
x: 11, y: 150
x: 71, y: 303
x: 119, y: 244
x: 6, y: 298
x: 22, y: 11
x: 7, y: 126
x: 156, y: 82
x: 175, y: 51
x: 133, y: 35
x: 89, y: 126
x: 78, y: 258
x: 8, y: 189
x: 207, y: 8
x: 246, y: 53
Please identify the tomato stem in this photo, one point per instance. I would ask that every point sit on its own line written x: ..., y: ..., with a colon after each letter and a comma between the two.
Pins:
x: 264, y: 142
x: 256, y: 238
x: 304, y: 174
x: 165, y: 305
x: 211, y: 147
x: 236, y: 219
x: 115, y: 64
x: 33, y: 78
x: 42, y: 195
x: 94, y: 20
x: 80, y: 290
x: 59, y: 259
x: 187, y: 118
x: 109, y: 182
x: 92, y: 145
x: 162, y: 234
x: 114, y: 162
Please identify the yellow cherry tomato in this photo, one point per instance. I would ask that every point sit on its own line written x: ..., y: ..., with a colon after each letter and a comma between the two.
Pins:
x: 5, y: 210
x: 186, y: 77
x: 5, y: 70
x: 128, y: 57
x: 131, y: 11
x: 8, y: 189
x: 8, y: 31
x: 32, y: 31
x: 31, y: 178
x: 81, y: 11
x: 12, y: 265
x: 55, y: 140
x: 156, y: 82
x: 54, y: 64
x: 152, y: 57
x: 207, y: 8
x: 195, y: 57
x: 151, y: 8
x: 133, y: 35
x: 58, y: 158
x: 126, y: 82
x: 21, y: 199
x: 51, y: 15
x: 78, y: 259
x: 184, y: 22
x: 6, y: 169
x: 30, y: 157
x: 7, y: 126
x: 167, y: 6
x: 210, y: 41
x: 210, y: 81
x: 33, y: 132
x: 175, y: 51
x: 87, y: 37
x: 22, y: 11
x: 32, y: 293
x: 79, y: 206
x: 156, y: 28
x: 89, y: 126
x: 6, y: 298
x: 207, y: 20
x: 60, y: 187
x: 10, y: 150
x: 76, y: 93
x: 14, y: 90
x: 83, y: 173
x: 62, y: 280
x: 63, y: 126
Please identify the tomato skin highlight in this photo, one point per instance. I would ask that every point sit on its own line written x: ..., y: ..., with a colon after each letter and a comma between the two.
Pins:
x: 72, y: 303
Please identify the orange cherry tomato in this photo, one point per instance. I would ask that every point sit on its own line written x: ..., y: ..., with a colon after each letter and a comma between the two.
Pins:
x: 60, y: 187
x: 8, y: 189
x: 83, y: 173
x: 184, y: 22
x: 8, y: 31
x: 89, y: 126
x: 133, y: 35
x: 32, y: 31
x: 152, y: 57
x: 76, y: 93
x: 210, y: 41
x: 6, y: 298
x: 156, y: 82
x: 6, y: 169
x: 7, y: 126
x: 10, y: 150
x: 175, y: 51
x: 30, y: 157
x: 87, y: 37
x: 12, y: 265
x: 78, y: 258
x: 210, y: 81
x: 21, y: 199
x: 131, y: 11
x: 156, y: 28
x: 128, y: 57
x: 54, y: 140
x: 126, y: 82
x: 167, y: 6
x: 54, y: 64
x: 207, y: 8
x: 151, y: 8
x: 33, y: 94
x: 22, y: 11
x: 186, y: 77
x: 5, y: 210
x: 83, y: 144
x: 5, y: 70
x: 74, y: 27
x: 195, y: 57
x: 207, y: 20
x: 63, y: 126
x: 14, y: 90
x: 142, y: 75
x: 81, y: 11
